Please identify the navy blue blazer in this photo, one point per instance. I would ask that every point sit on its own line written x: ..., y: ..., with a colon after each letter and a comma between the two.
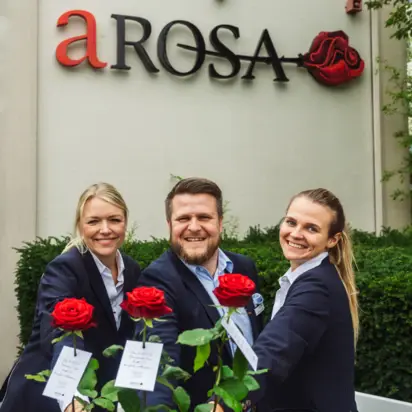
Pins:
x: 69, y: 275
x: 309, y: 347
x: 192, y: 308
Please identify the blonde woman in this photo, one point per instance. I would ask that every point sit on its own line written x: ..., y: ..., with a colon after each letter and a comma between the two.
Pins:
x: 309, y: 344
x: 91, y: 266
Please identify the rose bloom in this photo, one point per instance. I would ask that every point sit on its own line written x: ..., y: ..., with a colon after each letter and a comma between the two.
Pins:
x: 234, y: 290
x: 331, y: 60
x: 145, y: 302
x: 73, y: 314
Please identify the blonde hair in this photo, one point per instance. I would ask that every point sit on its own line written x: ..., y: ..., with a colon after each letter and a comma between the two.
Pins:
x: 103, y: 191
x: 341, y: 255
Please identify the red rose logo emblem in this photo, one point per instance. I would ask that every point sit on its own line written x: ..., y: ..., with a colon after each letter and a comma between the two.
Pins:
x: 145, y: 302
x: 331, y: 61
x: 73, y: 314
x: 234, y: 290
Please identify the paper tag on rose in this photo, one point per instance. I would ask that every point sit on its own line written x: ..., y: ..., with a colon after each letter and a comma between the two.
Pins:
x: 66, y: 374
x: 241, y: 342
x: 139, y: 366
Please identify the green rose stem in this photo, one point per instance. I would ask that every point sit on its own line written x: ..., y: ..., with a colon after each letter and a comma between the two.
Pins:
x: 220, y: 361
x: 144, y: 346
x: 75, y: 354
x: 74, y: 343
x: 219, y: 370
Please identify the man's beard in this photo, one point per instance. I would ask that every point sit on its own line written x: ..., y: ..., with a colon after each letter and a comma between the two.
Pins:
x: 195, y: 259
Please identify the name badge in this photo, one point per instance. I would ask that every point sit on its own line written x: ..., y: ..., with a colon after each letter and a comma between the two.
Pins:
x: 259, y: 309
x: 258, y: 303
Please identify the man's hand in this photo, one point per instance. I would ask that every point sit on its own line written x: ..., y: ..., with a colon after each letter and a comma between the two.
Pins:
x: 246, y: 405
x: 219, y: 408
x: 78, y: 407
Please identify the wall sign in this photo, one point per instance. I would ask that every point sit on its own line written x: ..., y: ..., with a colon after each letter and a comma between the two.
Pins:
x: 330, y: 59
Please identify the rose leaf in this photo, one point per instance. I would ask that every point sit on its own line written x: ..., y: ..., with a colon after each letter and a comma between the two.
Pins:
x: 240, y: 364
x: 37, y: 378
x: 129, y: 400
x: 112, y: 350
x: 202, y: 355
x: 228, y: 399
x: 110, y: 392
x: 195, y: 337
x: 105, y: 404
x: 182, y: 399
x: 204, y: 407
x: 251, y: 383
x: 174, y: 372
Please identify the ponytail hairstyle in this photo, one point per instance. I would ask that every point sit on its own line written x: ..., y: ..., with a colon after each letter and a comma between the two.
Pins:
x: 103, y: 191
x: 341, y: 255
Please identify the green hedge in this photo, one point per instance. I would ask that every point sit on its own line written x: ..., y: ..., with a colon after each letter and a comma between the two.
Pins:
x: 384, y: 277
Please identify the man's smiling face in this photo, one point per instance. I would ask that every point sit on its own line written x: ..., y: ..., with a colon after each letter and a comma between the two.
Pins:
x: 195, y: 228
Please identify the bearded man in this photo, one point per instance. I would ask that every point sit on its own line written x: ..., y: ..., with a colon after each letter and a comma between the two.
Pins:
x: 188, y: 273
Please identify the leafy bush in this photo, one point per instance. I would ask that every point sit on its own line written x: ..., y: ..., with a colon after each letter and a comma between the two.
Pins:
x: 384, y: 277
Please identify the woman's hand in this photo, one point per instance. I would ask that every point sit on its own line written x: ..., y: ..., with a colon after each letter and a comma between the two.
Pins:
x: 78, y: 407
x: 218, y: 407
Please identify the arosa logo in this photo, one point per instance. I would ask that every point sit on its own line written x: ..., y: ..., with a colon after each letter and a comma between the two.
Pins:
x: 330, y: 59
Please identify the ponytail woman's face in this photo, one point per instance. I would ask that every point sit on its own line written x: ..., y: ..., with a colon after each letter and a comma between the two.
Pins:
x: 304, y: 232
x: 103, y: 228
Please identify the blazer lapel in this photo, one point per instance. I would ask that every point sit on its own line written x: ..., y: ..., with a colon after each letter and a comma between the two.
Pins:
x: 127, y: 325
x: 98, y: 287
x: 197, y: 288
x: 200, y: 292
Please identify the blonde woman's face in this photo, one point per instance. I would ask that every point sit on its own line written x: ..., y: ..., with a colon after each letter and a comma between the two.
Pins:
x: 304, y: 232
x: 103, y: 228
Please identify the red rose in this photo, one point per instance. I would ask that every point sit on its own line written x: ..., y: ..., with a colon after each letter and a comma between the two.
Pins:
x: 73, y: 314
x: 234, y: 290
x: 144, y: 302
x: 331, y: 60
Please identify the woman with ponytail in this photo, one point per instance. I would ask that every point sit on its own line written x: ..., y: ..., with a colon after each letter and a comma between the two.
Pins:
x: 309, y: 343
x: 90, y: 267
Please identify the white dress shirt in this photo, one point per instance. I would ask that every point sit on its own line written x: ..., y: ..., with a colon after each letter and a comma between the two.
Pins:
x: 290, y: 276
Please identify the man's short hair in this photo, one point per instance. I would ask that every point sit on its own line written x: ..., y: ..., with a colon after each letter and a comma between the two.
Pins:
x: 194, y: 186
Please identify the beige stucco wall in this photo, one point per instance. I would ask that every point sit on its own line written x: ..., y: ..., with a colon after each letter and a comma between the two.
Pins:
x: 40, y: 177
x: 395, y: 213
x: 18, y: 128
x: 261, y: 141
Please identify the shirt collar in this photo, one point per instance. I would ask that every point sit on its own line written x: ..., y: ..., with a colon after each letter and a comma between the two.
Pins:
x: 224, y: 265
x: 304, y: 267
x: 103, y: 268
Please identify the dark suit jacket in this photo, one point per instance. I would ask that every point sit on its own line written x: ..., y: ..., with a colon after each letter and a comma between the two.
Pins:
x: 309, y: 347
x: 69, y: 275
x: 192, y: 309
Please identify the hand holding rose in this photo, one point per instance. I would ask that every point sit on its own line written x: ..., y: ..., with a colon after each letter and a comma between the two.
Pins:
x: 77, y: 407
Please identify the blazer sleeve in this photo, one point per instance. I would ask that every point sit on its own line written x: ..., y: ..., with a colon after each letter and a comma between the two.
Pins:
x: 57, y: 283
x: 296, y: 329
x: 167, y: 330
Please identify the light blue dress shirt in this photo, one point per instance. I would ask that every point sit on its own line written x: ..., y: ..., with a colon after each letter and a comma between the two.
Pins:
x: 210, y: 282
